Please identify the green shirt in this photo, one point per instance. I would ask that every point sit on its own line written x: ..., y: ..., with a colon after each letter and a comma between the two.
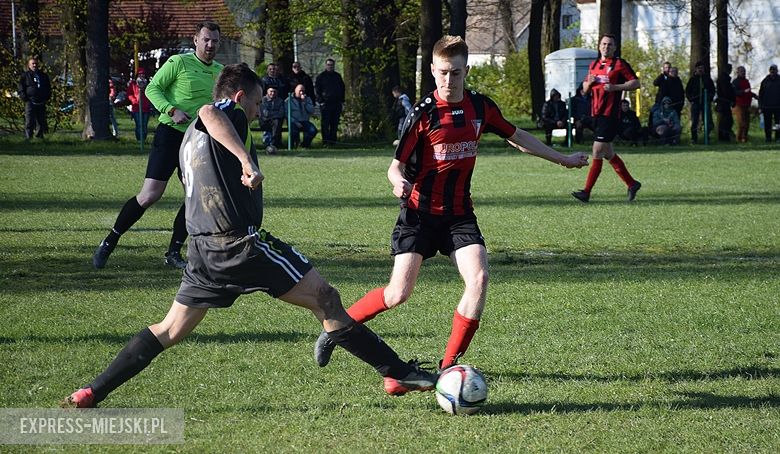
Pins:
x: 183, y: 82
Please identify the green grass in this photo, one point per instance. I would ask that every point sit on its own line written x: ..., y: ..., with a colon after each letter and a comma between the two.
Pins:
x: 609, y: 327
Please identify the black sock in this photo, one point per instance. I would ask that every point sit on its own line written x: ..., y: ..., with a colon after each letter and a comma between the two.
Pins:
x: 137, y: 354
x: 179, y: 234
x: 366, y: 345
x: 130, y: 213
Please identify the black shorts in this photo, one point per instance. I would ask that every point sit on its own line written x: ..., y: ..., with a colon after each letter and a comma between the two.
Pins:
x: 426, y: 234
x: 221, y: 268
x: 164, y: 157
x: 605, y: 128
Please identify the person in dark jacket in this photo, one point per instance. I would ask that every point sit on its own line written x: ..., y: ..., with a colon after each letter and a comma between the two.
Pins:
x: 631, y: 129
x: 554, y: 115
x: 330, y: 91
x: 699, y: 85
x: 724, y: 103
x: 769, y: 103
x: 675, y: 91
x: 299, y: 77
x: 35, y: 91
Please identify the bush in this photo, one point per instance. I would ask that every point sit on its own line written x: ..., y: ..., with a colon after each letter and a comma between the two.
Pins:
x: 507, y: 84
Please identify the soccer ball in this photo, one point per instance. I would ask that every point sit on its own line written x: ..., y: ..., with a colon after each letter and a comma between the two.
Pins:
x: 461, y: 390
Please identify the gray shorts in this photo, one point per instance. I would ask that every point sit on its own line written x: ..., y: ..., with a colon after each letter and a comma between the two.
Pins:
x: 221, y: 268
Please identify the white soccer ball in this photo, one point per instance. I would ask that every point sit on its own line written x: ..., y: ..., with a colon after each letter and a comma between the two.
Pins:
x: 461, y: 390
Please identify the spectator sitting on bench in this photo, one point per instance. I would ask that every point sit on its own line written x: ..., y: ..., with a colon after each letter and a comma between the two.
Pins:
x: 666, y: 122
x: 631, y: 129
x: 580, y: 112
x: 554, y: 115
x: 272, y: 114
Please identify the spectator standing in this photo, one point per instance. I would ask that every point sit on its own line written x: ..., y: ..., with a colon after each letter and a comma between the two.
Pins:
x: 554, y: 115
x: 631, y: 129
x: 698, y: 84
x: 272, y: 115
x: 666, y: 122
x: 35, y: 91
x: 140, y: 106
x: 744, y: 97
x: 301, y: 107
x: 401, y: 108
x: 580, y: 112
x: 330, y: 92
x: 181, y: 87
x: 675, y: 91
x: 299, y: 76
x: 112, y: 97
x: 662, y: 82
x: 769, y: 103
x: 723, y: 105
x: 275, y: 80
x: 608, y: 76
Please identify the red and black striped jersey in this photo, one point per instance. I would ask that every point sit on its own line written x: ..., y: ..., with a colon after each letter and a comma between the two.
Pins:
x: 439, y: 147
x: 612, y: 70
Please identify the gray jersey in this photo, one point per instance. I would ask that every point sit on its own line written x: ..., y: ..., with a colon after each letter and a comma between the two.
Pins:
x: 216, y: 201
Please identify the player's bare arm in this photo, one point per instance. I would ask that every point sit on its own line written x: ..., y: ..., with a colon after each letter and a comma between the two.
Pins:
x: 401, y: 187
x: 627, y: 86
x: 222, y: 130
x: 527, y: 143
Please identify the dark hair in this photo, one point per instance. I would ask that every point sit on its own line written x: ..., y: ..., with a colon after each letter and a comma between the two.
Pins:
x: 234, y: 78
x: 699, y: 63
x: 397, y: 88
x: 213, y: 26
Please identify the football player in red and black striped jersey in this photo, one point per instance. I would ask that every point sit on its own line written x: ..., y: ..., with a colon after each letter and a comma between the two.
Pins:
x: 431, y: 174
x: 607, y: 78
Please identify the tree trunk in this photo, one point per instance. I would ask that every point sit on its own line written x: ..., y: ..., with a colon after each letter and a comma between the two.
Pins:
x: 722, y: 23
x: 74, y: 22
x: 30, y: 28
x: 610, y: 20
x: 370, y: 65
x: 552, y: 26
x: 430, y: 32
x: 535, y: 63
x: 97, y: 121
x: 458, y: 17
x: 281, y: 33
x: 700, y: 34
x: 507, y: 25
x: 407, y: 41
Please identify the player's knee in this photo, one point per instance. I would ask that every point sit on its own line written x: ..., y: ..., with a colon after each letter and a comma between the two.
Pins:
x: 395, y: 297
x: 329, y: 300
x: 478, y: 280
x: 148, y: 198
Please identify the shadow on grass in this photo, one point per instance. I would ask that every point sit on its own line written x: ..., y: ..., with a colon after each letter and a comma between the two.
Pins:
x: 749, y: 373
x: 689, y: 401
x: 217, y: 338
x: 85, y: 202
x: 40, y: 269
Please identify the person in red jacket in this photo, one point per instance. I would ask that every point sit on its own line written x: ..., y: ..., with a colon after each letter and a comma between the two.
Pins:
x: 140, y: 104
x: 742, y: 106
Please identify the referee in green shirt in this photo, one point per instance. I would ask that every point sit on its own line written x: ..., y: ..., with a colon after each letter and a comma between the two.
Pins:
x: 181, y: 87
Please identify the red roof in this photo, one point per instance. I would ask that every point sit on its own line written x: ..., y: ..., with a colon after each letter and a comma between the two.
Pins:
x: 185, y: 15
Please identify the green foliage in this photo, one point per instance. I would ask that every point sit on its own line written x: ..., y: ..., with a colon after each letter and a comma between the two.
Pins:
x: 647, y: 64
x: 506, y: 84
x: 609, y: 327
x: 12, y: 107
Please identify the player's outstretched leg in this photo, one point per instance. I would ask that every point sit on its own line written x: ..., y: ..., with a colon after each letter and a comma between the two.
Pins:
x: 365, y: 309
x: 138, y: 354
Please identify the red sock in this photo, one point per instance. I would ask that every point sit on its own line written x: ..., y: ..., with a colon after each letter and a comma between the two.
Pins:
x: 463, y: 330
x: 621, y: 170
x: 593, y: 174
x: 368, y: 307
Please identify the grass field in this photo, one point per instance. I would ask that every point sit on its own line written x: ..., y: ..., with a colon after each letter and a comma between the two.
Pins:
x: 610, y: 327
